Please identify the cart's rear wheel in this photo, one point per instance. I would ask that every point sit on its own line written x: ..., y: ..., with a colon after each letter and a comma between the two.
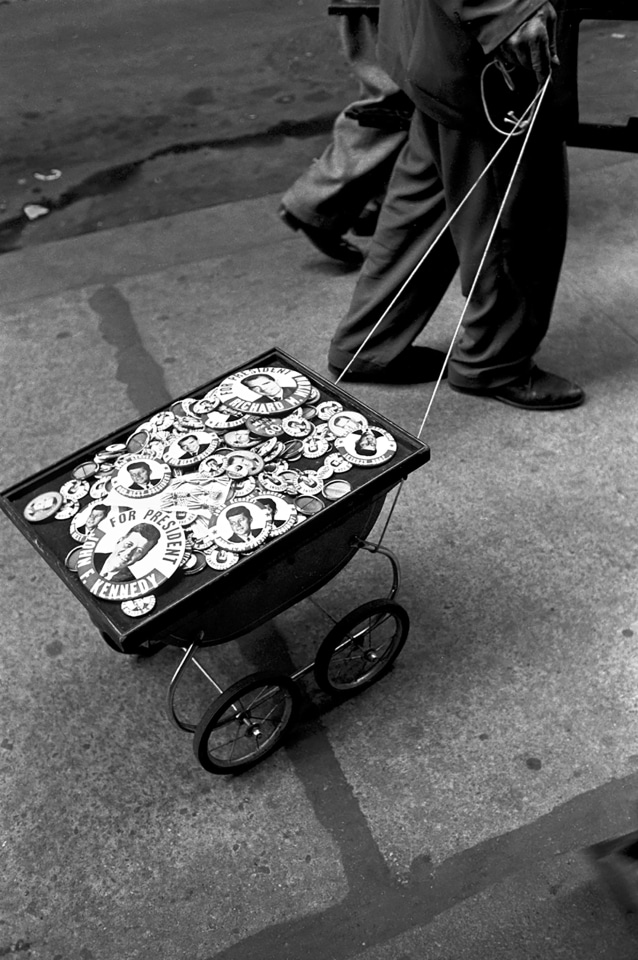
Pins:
x: 361, y: 647
x: 246, y: 722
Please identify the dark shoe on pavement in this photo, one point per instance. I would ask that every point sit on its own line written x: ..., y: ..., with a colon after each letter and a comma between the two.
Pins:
x: 327, y: 241
x: 414, y: 365
x: 537, y: 390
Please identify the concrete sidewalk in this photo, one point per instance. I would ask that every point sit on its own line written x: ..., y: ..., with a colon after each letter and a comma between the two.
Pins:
x: 441, y: 814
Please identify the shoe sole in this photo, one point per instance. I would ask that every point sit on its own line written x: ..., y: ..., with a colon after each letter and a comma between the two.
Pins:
x: 543, y: 407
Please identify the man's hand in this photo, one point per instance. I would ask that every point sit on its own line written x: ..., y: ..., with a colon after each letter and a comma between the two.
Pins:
x: 533, y: 44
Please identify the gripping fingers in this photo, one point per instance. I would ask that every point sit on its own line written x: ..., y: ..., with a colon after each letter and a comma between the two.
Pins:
x: 533, y: 44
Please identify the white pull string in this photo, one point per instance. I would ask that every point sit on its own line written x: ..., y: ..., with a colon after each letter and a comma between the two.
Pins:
x: 520, y: 122
x: 538, y: 99
x: 535, y: 106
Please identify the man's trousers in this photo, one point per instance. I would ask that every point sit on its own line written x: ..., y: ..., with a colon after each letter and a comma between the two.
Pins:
x: 510, y: 309
x: 355, y: 167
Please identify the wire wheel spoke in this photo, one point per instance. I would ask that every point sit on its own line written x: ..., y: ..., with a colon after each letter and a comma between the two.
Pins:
x: 361, y: 647
x: 245, y: 723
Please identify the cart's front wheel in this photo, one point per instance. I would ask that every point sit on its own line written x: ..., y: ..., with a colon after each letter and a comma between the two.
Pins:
x: 246, y: 722
x: 361, y: 647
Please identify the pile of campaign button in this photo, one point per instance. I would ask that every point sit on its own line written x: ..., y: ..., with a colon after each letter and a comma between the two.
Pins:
x: 206, y: 482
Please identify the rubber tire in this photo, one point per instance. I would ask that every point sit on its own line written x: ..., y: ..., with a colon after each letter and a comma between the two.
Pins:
x: 211, y: 720
x: 375, y: 609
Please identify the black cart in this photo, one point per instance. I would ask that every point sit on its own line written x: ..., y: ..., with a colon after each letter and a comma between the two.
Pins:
x: 246, y: 721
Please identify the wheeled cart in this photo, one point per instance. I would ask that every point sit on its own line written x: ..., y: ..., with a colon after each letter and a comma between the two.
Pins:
x: 246, y: 721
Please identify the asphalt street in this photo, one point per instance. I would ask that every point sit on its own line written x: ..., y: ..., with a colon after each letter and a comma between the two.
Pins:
x: 449, y: 811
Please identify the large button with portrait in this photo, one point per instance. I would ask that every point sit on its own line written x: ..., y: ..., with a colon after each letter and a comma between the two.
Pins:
x: 131, y: 553
x: 141, y: 477
x: 367, y: 448
x: 190, y: 448
x: 241, y: 526
x: 264, y: 390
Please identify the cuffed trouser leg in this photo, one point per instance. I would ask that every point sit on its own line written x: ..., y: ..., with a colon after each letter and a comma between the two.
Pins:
x: 357, y: 163
x: 511, y: 307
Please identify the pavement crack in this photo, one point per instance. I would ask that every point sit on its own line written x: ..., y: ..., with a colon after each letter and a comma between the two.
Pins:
x: 111, y: 179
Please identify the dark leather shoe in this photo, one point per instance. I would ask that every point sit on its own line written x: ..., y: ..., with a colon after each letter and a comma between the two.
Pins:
x: 414, y: 365
x: 327, y: 241
x: 537, y: 390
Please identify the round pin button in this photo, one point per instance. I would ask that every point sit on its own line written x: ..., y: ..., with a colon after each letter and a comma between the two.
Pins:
x: 68, y: 509
x: 101, y: 487
x: 74, y: 489
x: 341, y: 424
x: 265, y: 426
x: 298, y: 427
x: 141, y: 477
x: 84, y: 470
x: 308, y: 506
x: 218, y: 559
x: 367, y: 448
x: 43, y: 507
x: 71, y: 559
x: 328, y: 409
x: 139, y: 606
x: 197, y: 562
x: 190, y: 448
x: 335, y: 489
x: 314, y: 447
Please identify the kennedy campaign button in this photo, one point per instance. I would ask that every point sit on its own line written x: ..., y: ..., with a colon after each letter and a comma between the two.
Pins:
x: 241, y: 526
x: 190, y: 448
x: 141, y: 477
x: 87, y: 520
x: 281, y: 513
x: 43, y: 507
x: 131, y: 553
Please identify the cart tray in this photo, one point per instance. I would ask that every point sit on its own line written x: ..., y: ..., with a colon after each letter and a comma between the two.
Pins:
x: 276, y: 574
